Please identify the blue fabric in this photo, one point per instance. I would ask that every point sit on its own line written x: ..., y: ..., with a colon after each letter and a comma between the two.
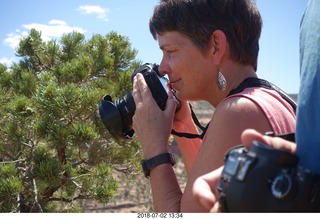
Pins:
x: 308, y: 112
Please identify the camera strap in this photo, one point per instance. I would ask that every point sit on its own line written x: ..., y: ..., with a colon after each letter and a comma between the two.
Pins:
x: 247, y: 83
x: 189, y: 135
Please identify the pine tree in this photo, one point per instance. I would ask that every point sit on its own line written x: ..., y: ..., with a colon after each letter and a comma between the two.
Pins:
x: 54, y: 148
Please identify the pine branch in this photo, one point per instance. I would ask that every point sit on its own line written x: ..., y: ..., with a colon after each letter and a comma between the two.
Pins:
x: 69, y: 199
x: 36, y: 203
x: 50, y: 190
x: 12, y: 161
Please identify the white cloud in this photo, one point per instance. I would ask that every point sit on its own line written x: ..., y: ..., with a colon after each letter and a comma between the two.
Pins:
x: 7, y: 61
x: 54, y: 29
x: 95, y: 9
x: 57, y: 22
x: 12, y: 39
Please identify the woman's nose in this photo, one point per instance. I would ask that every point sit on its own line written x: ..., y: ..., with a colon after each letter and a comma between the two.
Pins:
x: 164, y: 68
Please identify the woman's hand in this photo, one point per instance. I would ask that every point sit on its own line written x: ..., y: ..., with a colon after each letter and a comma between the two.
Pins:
x: 151, y: 125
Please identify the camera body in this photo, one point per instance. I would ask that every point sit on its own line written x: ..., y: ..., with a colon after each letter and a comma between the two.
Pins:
x: 264, y: 179
x: 117, y: 115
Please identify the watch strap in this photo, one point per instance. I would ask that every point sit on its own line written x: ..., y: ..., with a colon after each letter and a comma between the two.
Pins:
x: 148, y: 165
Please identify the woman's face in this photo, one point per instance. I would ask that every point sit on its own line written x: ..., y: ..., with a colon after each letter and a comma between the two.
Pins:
x: 191, y: 73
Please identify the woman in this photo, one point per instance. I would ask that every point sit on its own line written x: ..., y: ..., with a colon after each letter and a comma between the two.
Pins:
x: 210, y: 49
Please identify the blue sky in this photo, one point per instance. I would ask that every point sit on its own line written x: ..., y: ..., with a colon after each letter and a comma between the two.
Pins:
x: 279, y: 45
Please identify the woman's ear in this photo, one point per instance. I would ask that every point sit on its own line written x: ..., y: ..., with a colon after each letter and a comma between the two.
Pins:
x: 219, y: 45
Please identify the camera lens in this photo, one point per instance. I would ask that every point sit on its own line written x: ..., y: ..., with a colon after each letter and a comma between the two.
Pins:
x: 117, y: 116
x: 126, y: 107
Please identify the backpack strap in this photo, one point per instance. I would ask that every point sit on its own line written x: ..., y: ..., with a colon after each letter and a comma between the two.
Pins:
x: 248, y: 82
x: 257, y: 82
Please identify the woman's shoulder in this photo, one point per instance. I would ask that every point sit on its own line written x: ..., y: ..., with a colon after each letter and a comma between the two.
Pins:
x: 265, y: 98
x: 236, y: 107
x: 241, y: 112
x: 255, y: 107
x: 258, y: 94
x: 239, y: 103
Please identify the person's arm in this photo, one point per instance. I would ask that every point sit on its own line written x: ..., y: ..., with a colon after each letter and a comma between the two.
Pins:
x: 308, y: 116
x: 153, y: 127
x: 188, y: 148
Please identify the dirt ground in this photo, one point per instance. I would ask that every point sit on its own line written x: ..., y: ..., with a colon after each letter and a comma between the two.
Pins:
x: 134, y: 196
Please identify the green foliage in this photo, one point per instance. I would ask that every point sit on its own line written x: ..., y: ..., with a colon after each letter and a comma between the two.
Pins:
x: 10, y: 186
x: 54, y: 149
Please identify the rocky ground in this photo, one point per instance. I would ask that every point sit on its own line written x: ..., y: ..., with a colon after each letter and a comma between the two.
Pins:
x: 134, y: 196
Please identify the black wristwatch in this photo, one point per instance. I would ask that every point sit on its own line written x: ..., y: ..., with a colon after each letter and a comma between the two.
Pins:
x: 151, y: 163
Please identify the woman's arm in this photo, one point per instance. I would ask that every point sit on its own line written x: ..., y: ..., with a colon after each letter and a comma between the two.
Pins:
x: 188, y: 148
x: 153, y: 127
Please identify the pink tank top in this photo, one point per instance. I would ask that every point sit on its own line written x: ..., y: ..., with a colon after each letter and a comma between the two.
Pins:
x: 278, y: 111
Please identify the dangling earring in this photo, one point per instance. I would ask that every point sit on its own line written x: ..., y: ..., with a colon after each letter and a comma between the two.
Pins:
x: 222, y: 83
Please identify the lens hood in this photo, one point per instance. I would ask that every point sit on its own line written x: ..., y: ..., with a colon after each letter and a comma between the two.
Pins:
x: 112, y: 119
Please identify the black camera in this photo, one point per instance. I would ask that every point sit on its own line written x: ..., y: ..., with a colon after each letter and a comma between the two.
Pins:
x: 117, y: 115
x: 264, y: 179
